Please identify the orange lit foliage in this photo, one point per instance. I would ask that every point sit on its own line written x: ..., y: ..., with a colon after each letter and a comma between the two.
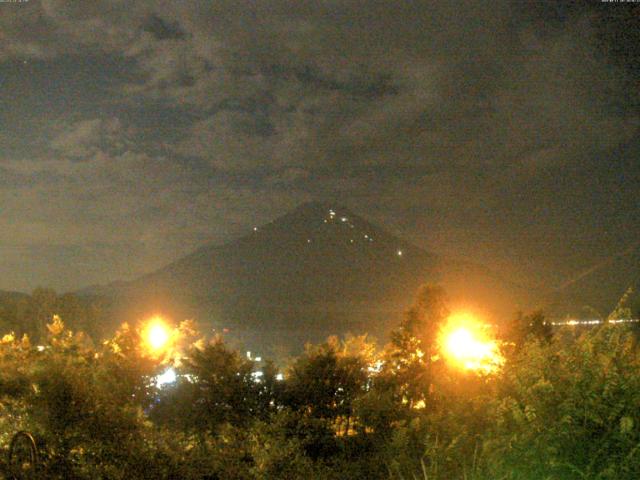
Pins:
x: 408, y: 366
x: 468, y: 344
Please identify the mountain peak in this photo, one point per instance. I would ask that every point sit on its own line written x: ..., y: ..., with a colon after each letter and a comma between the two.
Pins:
x: 318, y: 270
x: 309, y: 219
x: 319, y: 208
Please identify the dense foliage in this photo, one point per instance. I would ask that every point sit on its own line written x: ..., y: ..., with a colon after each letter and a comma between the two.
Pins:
x: 565, y: 405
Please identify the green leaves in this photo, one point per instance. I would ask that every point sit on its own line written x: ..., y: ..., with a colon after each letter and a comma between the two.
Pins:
x: 579, y: 401
x: 626, y: 425
x: 562, y: 408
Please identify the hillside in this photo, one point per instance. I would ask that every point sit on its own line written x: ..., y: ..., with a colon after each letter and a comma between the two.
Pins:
x: 315, y: 271
x: 596, y: 290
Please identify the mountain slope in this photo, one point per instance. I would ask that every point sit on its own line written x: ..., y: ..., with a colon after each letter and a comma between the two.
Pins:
x: 596, y: 291
x: 317, y: 270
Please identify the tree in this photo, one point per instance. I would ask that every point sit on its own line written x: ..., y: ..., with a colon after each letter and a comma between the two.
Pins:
x: 408, y: 360
x: 327, y: 379
x: 568, y: 409
x: 533, y: 325
x: 216, y: 387
x: 42, y: 307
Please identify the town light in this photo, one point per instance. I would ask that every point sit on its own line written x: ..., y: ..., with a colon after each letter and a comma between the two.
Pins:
x: 166, y: 378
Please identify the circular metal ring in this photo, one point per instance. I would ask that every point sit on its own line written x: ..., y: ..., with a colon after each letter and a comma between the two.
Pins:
x: 23, y: 456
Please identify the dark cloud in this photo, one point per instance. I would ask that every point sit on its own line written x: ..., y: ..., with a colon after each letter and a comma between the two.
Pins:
x: 85, y: 138
x: 162, y: 29
x: 473, y: 129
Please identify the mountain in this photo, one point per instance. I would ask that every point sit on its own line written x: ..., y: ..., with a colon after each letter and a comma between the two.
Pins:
x: 595, y: 291
x: 316, y: 271
x: 7, y: 295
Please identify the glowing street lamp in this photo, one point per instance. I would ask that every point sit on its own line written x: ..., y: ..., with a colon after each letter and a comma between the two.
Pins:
x: 156, y: 335
x: 465, y: 343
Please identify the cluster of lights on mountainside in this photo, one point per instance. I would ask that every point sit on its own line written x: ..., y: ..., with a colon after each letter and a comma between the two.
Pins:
x: 333, y: 218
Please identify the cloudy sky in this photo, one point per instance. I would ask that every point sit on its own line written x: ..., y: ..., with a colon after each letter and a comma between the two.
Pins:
x: 133, y: 132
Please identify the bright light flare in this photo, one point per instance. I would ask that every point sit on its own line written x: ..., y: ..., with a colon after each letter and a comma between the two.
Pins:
x: 166, y: 378
x: 467, y: 344
x: 156, y: 334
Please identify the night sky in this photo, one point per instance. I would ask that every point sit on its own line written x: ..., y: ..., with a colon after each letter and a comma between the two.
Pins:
x: 133, y: 132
